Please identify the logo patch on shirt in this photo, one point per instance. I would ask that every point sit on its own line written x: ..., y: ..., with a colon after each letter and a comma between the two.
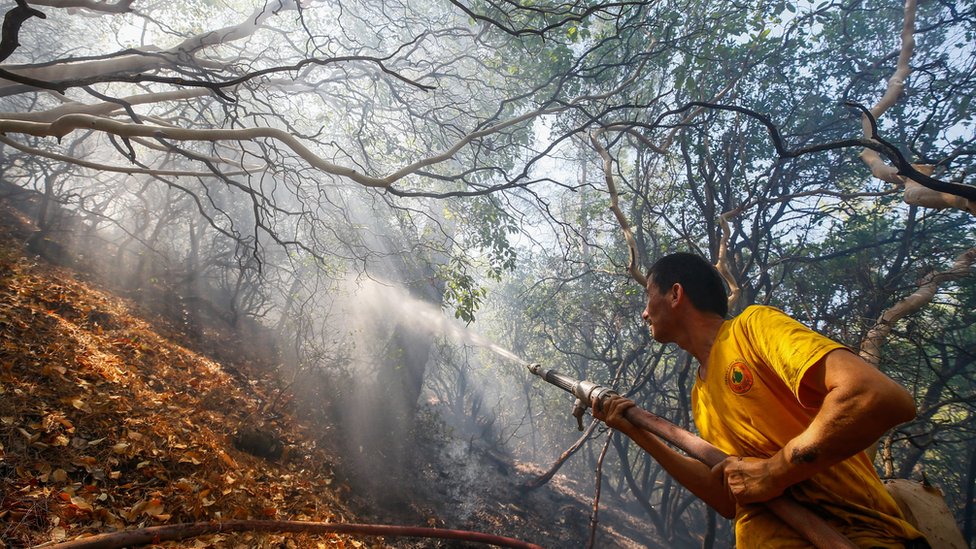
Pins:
x: 739, y: 378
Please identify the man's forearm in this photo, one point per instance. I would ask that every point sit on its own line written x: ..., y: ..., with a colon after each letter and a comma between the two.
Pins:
x: 850, y: 420
x: 694, y: 475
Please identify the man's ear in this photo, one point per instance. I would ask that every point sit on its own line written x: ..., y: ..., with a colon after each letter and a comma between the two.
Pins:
x: 677, y: 294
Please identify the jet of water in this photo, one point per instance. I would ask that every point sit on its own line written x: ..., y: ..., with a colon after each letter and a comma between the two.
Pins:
x: 438, y: 322
x: 430, y: 318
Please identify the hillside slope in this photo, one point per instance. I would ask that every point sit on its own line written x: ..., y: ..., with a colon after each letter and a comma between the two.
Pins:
x: 106, y: 424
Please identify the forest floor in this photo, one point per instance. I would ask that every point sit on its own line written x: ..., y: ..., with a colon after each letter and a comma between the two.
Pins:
x: 109, y: 420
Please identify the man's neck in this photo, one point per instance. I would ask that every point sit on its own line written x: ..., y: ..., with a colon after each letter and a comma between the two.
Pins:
x: 701, y: 331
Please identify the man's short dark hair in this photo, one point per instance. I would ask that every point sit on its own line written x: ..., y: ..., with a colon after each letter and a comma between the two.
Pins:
x: 699, y: 278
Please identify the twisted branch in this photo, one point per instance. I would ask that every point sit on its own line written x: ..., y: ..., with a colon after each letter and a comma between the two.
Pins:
x: 632, y: 267
x: 871, y: 344
x: 15, y: 18
x: 874, y: 143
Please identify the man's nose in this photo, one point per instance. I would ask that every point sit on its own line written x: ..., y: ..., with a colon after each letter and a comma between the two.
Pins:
x: 644, y: 314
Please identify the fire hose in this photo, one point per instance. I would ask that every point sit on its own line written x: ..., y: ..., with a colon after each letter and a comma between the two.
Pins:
x: 801, y: 519
x: 176, y: 532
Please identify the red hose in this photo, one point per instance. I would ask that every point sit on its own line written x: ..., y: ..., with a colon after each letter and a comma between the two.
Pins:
x: 175, y: 532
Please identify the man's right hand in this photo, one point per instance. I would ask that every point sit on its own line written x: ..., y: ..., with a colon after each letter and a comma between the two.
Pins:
x: 611, y: 411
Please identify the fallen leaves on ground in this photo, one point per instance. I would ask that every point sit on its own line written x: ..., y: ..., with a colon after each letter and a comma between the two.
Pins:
x: 106, y: 425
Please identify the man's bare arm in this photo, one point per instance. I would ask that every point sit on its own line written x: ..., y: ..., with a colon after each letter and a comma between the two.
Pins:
x: 705, y: 482
x: 858, y: 404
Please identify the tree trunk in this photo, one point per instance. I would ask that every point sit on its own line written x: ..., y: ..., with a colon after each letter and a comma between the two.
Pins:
x: 970, y: 506
x: 710, y: 525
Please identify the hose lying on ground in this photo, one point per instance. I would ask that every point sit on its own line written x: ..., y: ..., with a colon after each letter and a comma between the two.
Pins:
x: 176, y: 532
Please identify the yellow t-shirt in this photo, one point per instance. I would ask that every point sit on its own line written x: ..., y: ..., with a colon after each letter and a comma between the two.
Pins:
x: 749, y: 406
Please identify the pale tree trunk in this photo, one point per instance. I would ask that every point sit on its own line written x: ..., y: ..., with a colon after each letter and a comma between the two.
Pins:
x: 632, y: 265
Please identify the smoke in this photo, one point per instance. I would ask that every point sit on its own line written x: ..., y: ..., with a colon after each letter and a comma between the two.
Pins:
x: 419, y: 395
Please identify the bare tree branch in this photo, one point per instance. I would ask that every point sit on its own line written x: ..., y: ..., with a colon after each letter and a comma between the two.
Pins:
x: 565, y: 17
x: 920, y: 188
x: 12, y: 21
x: 135, y: 67
x: 107, y: 167
x: 122, y: 6
x: 905, y: 167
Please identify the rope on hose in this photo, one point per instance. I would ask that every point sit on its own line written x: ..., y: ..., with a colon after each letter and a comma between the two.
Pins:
x: 176, y: 532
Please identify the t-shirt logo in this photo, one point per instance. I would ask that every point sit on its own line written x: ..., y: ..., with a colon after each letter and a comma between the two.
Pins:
x: 739, y: 378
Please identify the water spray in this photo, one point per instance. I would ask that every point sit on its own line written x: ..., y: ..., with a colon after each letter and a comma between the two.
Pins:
x: 386, y: 299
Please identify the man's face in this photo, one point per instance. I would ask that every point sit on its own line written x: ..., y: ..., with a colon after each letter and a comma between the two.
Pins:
x: 657, y: 314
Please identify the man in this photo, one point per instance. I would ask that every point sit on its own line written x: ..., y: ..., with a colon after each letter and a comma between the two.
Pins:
x: 793, y: 409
